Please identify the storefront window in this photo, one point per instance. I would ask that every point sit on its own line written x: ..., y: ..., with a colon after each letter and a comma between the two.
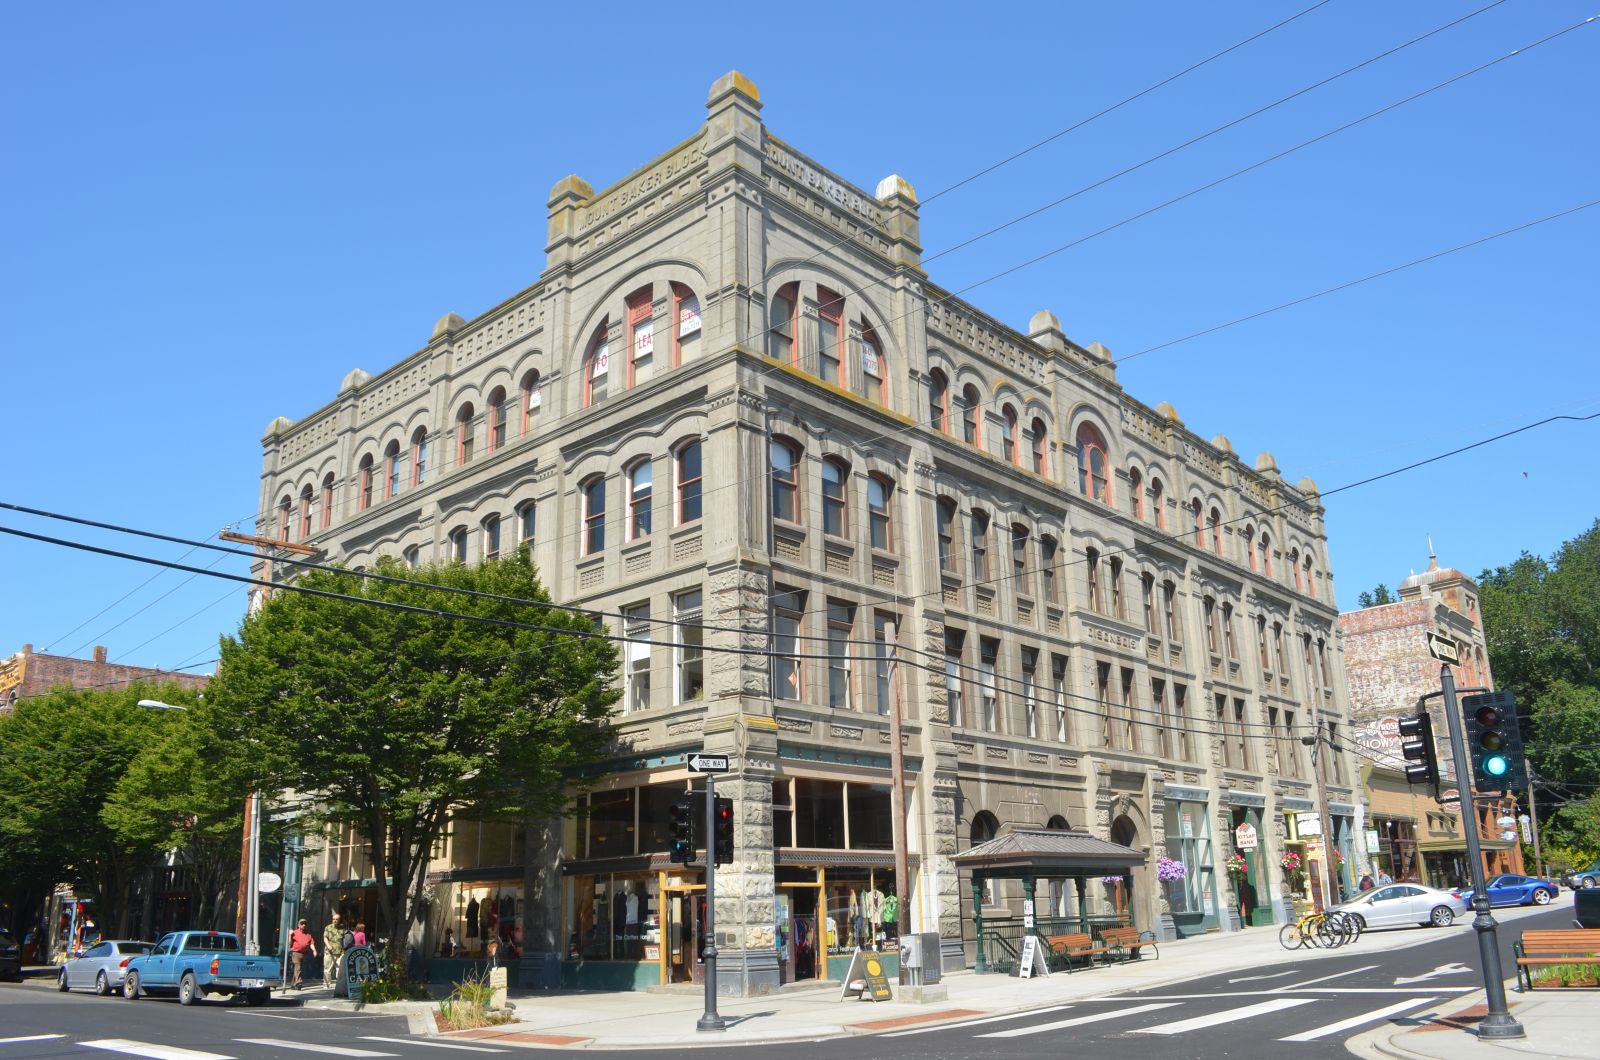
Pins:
x: 611, y: 823
x: 655, y: 815
x: 615, y: 917
x: 1189, y: 841
x: 871, y: 821
x: 480, y: 920
x: 819, y: 813
x: 858, y: 908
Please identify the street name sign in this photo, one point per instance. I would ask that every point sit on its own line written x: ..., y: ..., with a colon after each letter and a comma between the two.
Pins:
x: 700, y: 762
x: 1444, y: 649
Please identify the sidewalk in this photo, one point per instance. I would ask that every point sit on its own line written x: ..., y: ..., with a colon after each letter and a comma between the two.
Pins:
x: 1561, y: 1025
x: 633, y: 1019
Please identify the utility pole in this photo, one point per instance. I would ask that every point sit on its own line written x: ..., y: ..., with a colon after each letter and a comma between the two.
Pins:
x: 1533, y: 820
x: 710, y: 1020
x: 897, y: 791
x: 1331, y: 867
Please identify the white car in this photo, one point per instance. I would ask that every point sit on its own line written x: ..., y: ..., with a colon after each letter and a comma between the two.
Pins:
x: 1404, y: 904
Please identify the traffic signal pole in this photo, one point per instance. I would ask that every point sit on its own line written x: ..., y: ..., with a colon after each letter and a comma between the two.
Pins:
x: 1499, y: 1024
x: 710, y: 1021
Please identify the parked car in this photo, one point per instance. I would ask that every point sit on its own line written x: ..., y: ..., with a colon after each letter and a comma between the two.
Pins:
x: 10, y: 958
x: 1402, y: 905
x: 1507, y: 889
x: 1583, y: 879
x: 102, y: 966
x: 193, y: 964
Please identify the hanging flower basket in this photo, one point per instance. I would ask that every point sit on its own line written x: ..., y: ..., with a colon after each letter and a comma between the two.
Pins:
x: 1170, y: 870
x: 1236, y: 866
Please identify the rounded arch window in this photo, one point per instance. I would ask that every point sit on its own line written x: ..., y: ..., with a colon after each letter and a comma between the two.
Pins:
x: 686, y: 325
x: 285, y: 506
x: 1136, y: 488
x: 835, y: 497
x: 532, y: 400
x: 464, y: 434
x: 970, y: 432
x: 641, y: 488
x: 597, y: 365
x: 419, y: 456
x: 781, y: 323
x: 985, y: 826
x: 946, y: 517
x: 1058, y: 823
x: 1036, y: 447
x: 830, y: 337
x: 1094, y: 477
x: 1294, y: 565
x: 939, y: 401
x: 391, y: 470
x: 1158, y: 503
x: 594, y: 515
x: 874, y: 373
x: 881, y: 529
x: 364, y: 483
x: 305, y: 512
x: 458, y: 545
x: 1197, y: 510
x: 1008, y: 440
x: 784, y: 459
x: 497, y: 418
x: 327, y: 500
x: 1214, y: 522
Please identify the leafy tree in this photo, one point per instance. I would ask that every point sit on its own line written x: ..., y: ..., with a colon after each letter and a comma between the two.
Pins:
x: 391, y: 721
x: 1377, y: 596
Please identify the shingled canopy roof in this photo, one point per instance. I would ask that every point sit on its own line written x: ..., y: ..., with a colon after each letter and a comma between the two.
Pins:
x: 1048, y: 853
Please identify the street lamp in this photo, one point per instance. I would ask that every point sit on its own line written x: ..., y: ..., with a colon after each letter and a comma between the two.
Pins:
x: 1315, y: 742
x: 250, y: 884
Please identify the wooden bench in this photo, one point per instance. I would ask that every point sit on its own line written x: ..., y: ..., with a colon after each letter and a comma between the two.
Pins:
x: 1127, y: 942
x: 1065, y: 949
x: 1536, y: 949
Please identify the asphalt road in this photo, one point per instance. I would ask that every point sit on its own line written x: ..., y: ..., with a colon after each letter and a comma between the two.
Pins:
x: 1294, y: 1008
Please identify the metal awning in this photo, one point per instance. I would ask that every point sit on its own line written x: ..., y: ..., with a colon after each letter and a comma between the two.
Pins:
x: 1048, y: 853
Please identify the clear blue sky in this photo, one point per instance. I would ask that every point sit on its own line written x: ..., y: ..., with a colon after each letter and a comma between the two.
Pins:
x: 212, y: 212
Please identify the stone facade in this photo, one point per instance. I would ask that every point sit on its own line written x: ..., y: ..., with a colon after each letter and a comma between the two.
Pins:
x: 1103, y: 620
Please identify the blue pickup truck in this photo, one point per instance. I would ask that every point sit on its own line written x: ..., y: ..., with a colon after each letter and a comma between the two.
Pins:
x: 193, y: 964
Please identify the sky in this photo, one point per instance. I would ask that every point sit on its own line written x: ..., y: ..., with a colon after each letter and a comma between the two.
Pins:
x: 210, y: 213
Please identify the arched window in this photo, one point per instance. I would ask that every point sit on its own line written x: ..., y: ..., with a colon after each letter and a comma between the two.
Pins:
x: 969, y: 415
x: 686, y: 465
x: 1008, y: 441
x: 532, y: 399
x: 305, y: 512
x: 1019, y: 559
x: 641, y: 486
x: 1136, y: 488
x: 364, y: 483
x: 1250, y: 546
x: 1036, y: 447
x: 1311, y: 578
x: 641, y: 338
x: 419, y: 456
x: 1197, y: 510
x: 830, y: 337
x: 785, y: 465
x: 686, y: 332
x: 464, y: 435
x: 1058, y: 823
x: 285, y: 506
x: 1158, y: 503
x: 497, y: 418
x: 458, y: 545
x: 980, y: 545
x: 835, y: 508
x: 391, y: 470
x: 938, y: 401
x: 880, y: 528
x: 946, y: 517
x: 1093, y: 464
x: 781, y: 321
x: 874, y: 374
x: 327, y: 500
x: 1266, y: 555
x: 1215, y: 523
x: 594, y: 515
x: 1047, y: 568
x: 1294, y: 565
x: 411, y: 556
x: 984, y: 827
x: 597, y: 366
x: 527, y: 522
x: 491, y: 537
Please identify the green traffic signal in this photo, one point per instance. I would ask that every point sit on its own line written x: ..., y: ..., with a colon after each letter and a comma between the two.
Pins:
x: 1494, y: 742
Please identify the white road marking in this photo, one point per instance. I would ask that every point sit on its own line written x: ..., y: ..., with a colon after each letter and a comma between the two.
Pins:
x: 1324, y: 979
x: 311, y: 1047
x: 31, y: 1038
x: 434, y: 1044
x: 150, y: 1049
x: 973, y: 1023
x: 1231, y: 1015
x: 1018, y: 1032
x: 299, y: 1019
x: 1253, y: 978
x: 1328, y: 990
x: 1443, y: 969
x: 1356, y: 1021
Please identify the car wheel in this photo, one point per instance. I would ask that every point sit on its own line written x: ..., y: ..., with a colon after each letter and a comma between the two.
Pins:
x: 61, y: 981
x: 1541, y: 897
x: 1442, y: 916
x: 130, y: 986
x: 188, y: 991
x: 1589, y: 883
x: 102, y: 985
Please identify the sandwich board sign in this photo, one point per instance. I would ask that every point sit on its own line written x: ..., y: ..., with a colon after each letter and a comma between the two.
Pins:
x: 1031, y: 958
x: 866, y: 977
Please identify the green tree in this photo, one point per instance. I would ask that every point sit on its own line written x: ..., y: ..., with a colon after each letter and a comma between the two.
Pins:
x: 1377, y: 596
x: 392, y: 721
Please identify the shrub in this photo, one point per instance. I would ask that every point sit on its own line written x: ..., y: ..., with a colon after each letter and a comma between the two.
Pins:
x: 467, y: 1006
x: 389, y: 987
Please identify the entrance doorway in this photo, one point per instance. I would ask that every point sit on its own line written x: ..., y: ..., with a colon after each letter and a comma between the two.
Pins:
x: 683, y: 939
x: 801, y: 950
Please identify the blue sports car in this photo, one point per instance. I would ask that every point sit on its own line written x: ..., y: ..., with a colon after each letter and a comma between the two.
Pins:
x: 1515, y: 890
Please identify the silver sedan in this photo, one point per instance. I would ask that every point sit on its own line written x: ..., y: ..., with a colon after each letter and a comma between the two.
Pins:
x: 101, y: 967
x: 1404, y: 904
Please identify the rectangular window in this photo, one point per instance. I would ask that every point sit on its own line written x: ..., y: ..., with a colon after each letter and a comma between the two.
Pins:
x: 841, y: 624
x: 1091, y: 569
x: 1158, y: 708
x: 1180, y: 720
x: 1102, y: 689
x: 527, y: 521
x: 1147, y: 589
x: 1334, y: 755
x: 643, y: 340
x: 1058, y: 695
x: 953, y: 641
x: 1209, y: 607
x: 883, y: 634
x: 1242, y: 735
x: 1130, y: 716
x: 1224, y: 730
x: 1169, y: 595
x: 946, y: 516
x: 1047, y: 568
x: 688, y: 330
x: 1261, y: 644
x: 1228, y: 643
x: 594, y: 517
x: 636, y: 676
x: 1116, y: 588
x: 641, y: 480
x: 688, y: 483
x: 782, y: 333
x: 689, y: 683
x: 980, y: 546
x: 1030, y: 698
x: 491, y: 537
x: 829, y: 352
x: 787, y: 608
x: 988, y: 654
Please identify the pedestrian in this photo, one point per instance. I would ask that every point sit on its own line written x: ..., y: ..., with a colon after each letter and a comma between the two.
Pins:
x: 359, y: 935
x: 300, y: 944
x: 1366, y: 882
x: 1384, y: 879
x: 332, y: 949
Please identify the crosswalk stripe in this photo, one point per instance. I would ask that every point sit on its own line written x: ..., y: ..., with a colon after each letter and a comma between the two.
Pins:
x: 1323, y: 979
x: 150, y: 1049
x: 1018, y: 1032
x: 1232, y: 1015
x: 435, y: 1044
x: 974, y: 1023
x: 31, y: 1038
x: 313, y: 1047
x: 1356, y: 1021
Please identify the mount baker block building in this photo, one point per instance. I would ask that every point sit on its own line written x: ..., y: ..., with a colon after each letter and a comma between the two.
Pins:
x: 735, y: 400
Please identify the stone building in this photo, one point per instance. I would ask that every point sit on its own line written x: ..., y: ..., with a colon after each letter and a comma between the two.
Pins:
x: 735, y: 401
x: 1389, y: 669
x: 30, y: 673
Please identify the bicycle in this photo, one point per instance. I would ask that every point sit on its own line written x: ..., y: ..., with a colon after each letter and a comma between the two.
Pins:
x: 1327, y: 930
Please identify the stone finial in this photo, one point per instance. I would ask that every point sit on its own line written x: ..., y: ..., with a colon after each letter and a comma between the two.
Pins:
x: 1099, y: 352
x: 1045, y: 330
x: 278, y: 426
x: 449, y: 323
x: 1221, y: 442
x: 355, y: 380
x: 733, y: 81
x: 1266, y: 462
x: 571, y: 186
x: 1309, y: 487
x: 894, y: 184
x: 1166, y: 409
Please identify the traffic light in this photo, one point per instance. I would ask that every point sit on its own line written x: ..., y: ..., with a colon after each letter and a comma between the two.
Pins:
x: 1416, y: 744
x: 1494, y: 741
x: 723, y: 836
x: 681, y: 831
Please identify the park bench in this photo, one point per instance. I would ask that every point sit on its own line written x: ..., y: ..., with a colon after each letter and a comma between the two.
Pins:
x: 1065, y: 949
x: 1536, y: 949
x: 1127, y: 942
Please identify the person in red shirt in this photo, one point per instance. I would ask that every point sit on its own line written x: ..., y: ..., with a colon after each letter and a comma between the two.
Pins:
x: 300, y: 944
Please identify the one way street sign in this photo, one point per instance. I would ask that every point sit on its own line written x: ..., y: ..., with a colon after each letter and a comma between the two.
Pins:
x: 1444, y: 649
x: 704, y: 763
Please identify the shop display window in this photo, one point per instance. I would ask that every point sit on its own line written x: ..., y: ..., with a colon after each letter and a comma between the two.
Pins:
x: 614, y: 917
x: 1189, y: 841
x: 482, y: 920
